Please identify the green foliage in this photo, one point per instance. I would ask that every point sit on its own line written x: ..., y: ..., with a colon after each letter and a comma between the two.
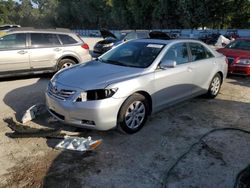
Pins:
x: 127, y: 14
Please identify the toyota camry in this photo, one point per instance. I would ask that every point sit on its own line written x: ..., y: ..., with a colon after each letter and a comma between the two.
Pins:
x: 125, y: 85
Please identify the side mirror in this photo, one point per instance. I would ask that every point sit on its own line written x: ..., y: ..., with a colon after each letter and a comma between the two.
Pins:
x: 167, y: 64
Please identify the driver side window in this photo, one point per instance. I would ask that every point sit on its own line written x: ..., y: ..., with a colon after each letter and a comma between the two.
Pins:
x: 178, y: 53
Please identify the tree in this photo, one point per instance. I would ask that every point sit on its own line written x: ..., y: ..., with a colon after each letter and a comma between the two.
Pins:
x: 241, y: 14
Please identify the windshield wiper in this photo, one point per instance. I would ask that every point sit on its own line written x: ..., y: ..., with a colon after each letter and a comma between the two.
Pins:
x: 101, y: 60
x: 114, y: 62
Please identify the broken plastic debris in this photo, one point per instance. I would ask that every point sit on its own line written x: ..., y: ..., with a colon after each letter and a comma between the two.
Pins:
x: 78, y: 144
x: 32, y: 112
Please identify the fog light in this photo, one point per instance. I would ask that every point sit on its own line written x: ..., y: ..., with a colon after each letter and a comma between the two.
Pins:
x: 88, y: 122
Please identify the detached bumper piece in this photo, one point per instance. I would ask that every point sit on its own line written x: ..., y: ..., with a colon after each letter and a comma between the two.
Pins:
x: 78, y: 144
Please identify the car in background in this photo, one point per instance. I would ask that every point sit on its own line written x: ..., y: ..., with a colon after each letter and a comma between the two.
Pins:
x: 107, y: 43
x: 203, y: 35
x: 209, y: 37
x: 174, y: 34
x: 238, y: 55
x: 232, y: 33
x: 125, y: 85
x: 8, y: 27
x: 29, y: 51
x: 111, y: 40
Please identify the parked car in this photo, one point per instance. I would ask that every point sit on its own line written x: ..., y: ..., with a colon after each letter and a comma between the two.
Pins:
x: 8, y: 27
x: 203, y: 35
x: 159, y: 35
x: 28, y: 51
x: 128, y: 83
x: 238, y: 55
x: 108, y: 43
x: 209, y: 37
x: 174, y: 34
x: 111, y: 40
x: 232, y: 33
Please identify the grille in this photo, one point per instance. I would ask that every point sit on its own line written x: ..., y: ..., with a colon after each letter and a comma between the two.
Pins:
x: 62, y: 94
x: 230, y: 60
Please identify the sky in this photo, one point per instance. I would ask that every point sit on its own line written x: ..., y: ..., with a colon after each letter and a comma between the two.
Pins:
x: 19, y: 1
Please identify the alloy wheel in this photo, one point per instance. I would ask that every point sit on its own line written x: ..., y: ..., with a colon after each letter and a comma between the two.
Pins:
x: 215, y: 85
x: 135, y: 114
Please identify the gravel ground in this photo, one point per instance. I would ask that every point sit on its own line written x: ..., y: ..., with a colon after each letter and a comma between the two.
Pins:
x: 149, y: 158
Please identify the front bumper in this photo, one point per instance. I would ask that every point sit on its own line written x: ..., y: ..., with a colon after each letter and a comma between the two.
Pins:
x: 102, y: 112
x: 239, y: 69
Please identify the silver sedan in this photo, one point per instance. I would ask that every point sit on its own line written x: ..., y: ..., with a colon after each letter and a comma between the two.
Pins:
x: 128, y: 83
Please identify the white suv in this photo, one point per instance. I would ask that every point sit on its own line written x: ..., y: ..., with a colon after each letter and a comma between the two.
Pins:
x: 28, y: 51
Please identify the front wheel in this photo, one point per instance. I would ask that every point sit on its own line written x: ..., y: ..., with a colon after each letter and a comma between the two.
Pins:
x: 133, y: 113
x: 215, y: 86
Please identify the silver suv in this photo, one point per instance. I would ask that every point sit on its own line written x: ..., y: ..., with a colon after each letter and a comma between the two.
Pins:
x: 25, y: 51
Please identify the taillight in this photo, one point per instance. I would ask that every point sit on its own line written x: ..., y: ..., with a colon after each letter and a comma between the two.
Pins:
x: 85, y: 46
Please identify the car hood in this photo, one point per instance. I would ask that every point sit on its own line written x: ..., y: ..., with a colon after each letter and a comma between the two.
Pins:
x: 106, y: 33
x: 159, y: 35
x: 106, y: 41
x: 94, y: 75
x: 234, y: 53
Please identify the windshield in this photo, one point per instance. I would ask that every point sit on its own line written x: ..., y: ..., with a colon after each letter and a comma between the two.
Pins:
x: 133, y: 54
x: 239, y: 45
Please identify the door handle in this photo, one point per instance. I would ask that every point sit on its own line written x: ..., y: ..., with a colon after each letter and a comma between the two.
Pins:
x: 22, y: 52
x: 57, y: 49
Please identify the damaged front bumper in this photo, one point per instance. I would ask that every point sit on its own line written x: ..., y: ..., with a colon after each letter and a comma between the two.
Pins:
x: 99, y: 114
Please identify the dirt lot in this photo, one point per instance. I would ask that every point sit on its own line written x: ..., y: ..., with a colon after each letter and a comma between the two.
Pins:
x: 167, y: 152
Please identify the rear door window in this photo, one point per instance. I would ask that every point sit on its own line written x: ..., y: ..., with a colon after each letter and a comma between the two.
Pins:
x: 66, y: 39
x: 44, y: 39
x: 13, y: 41
x: 199, y: 52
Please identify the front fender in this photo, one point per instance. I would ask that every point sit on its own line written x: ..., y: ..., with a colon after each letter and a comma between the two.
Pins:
x: 128, y: 87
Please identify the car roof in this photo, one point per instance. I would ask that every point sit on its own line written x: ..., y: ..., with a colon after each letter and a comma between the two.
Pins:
x: 35, y: 30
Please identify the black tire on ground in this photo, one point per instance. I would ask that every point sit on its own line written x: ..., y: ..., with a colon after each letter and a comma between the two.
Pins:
x: 133, y: 114
x: 214, y: 87
x: 64, y: 63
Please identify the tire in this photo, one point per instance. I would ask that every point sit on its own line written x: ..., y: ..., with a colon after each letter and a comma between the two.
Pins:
x: 133, y: 114
x: 65, y: 63
x: 214, y: 87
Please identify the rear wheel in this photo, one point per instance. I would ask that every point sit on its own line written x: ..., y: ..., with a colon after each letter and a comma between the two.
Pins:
x: 215, y: 86
x: 65, y: 63
x: 133, y: 113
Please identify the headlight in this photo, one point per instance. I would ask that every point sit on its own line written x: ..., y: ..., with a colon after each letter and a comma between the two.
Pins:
x: 108, y: 45
x: 96, y: 94
x: 244, y: 61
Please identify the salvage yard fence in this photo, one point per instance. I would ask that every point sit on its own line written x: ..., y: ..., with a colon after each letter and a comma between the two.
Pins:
x: 184, y: 32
